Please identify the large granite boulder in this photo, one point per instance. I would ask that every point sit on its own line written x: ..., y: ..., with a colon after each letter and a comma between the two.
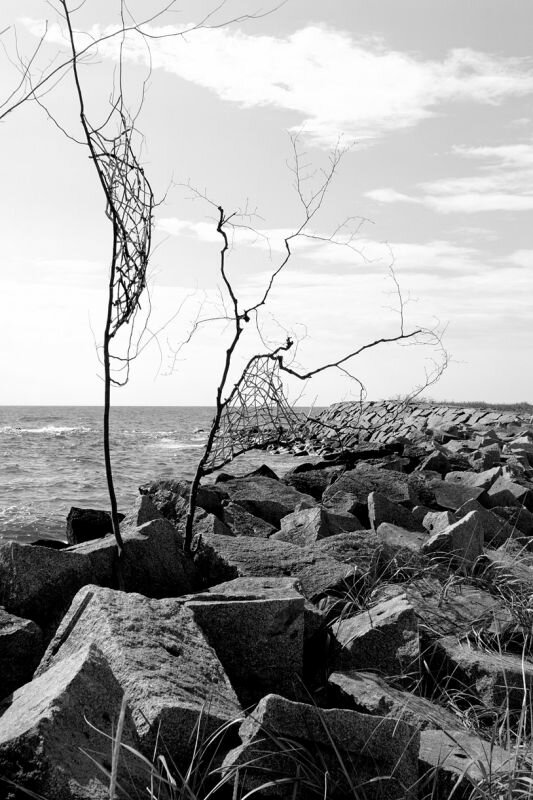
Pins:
x: 54, y: 735
x: 161, y: 659
x: 266, y: 498
x: 362, y: 755
x: 84, y: 524
x: 222, y: 558
x: 21, y: 647
x: 309, y: 480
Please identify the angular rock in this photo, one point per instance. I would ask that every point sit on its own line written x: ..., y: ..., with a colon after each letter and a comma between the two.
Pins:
x: 482, y: 480
x: 485, y: 457
x: 205, y: 523
x: 368, y: 693
x: 453, y: 496
x: 159, y: 656
x: 383, y: 639
x: 152, y: 561
x: 508, y: 493
x: 267, y: 499
x: 442, y: 610
x: 361, y: 548
x: 435, y: 461
x: 84, y: 524
x: 380, y: 756
x: 38, y: 583
x: 144, y: 510
x: 365, y: 479
x: 381, y: 509
x: 259, y: 639
x: 312, y: 524
x: 46, y: 741
x: 222, y: 558
x: 308, y: 480
x: 171, y: 497
x: 495, y: 530
x: 400, y: 548
x: 462, y: 541
x: 21, y: 648
x: 436, y: 521
x: 341, y: 503
x: 520, y: 519
x: 454, y: 760
x: 496, y: 679
x: 242, y: 523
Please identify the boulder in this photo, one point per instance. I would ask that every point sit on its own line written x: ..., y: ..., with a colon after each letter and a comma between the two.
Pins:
x: 361, y: 548
x: 436, y: 521
x: 222, y: 558
x: 400, y: 548
x: 171, y: 497
x: 383, y: 639
x: 496, y: 679
x: 257, y: 635
x: 368, y: 693
x: 519, y: 518
x: 47, y: 738
x: 482, y: 480
x: 452, y: 761
x: 436, y: 461
x: 381, y: 509
x: 160, y: 657
x: 312, y: 524
x: 485, y: 457
x: 377, y: 757
x: 442, y: 610
x: 84, y: 524
x: 309, y: 480
x: 495, y: 530
x: 341, y: 503
x: 462, y: 541
x: 21, y: 648
x: 144, y: 510
x: 152, y: 561
x: 242, y: 523
x: 365, y: 479
x: 266, y: 498
x: 453, y: 495
x: 38, y: 583
x: 504, y: 492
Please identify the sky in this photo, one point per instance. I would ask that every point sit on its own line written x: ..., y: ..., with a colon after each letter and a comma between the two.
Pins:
x: 430, y: 102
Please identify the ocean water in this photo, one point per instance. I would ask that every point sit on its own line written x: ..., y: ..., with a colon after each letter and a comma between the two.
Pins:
x: 51, y: 458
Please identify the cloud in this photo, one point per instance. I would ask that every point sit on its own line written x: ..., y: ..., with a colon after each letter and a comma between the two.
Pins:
x: 337, y: 84
x: 504, y: 184
x: 521, y: 258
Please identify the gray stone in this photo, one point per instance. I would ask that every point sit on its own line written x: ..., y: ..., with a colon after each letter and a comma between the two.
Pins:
x: 454, y: 760
x: 171, y: 497
x: 144, y: 510
x: 161, y: 659
x: 341, y: 503
x: 46, y: 738
x: 383, y: 639
x: 436, y: 521
x: 365, y: 479
x: 482, y: 480
x: 84, y: 524
x: 311, y: 481
x: 259, y: 640
x: 242, y: 523
x: 205, y: 523
x: 381, y: 509
x: 455, y: 609
x: 462, y: 541
x: 485, y: 457
x: 435, y: 461
x: 222, y: 558
x: 38, y: 583
x: 495, y: 530
x: 508, y: 493
x: 21, y: 648
x: 400, y: 548
x: 370, y: 694
x: 361, y: 548
x: 496, y: 679
x: 152, y: 562
x: 266, y: 498
x: 520, y: 519
x: 312, y: 524
x: 379, y: 756
x: 452, y: 495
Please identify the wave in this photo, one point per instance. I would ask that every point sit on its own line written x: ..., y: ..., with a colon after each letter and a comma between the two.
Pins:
x: 46, y: 429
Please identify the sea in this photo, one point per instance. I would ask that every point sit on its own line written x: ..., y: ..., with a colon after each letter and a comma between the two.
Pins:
x: 51, y: 458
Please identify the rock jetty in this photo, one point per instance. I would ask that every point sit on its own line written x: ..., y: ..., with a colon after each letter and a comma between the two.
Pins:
x: 359, y: 627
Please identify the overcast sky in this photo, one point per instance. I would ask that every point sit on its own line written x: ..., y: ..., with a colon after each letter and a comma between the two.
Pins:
x: 434, y: 100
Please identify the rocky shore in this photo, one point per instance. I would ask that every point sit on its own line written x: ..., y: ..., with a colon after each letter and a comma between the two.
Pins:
x: 360, y: 627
